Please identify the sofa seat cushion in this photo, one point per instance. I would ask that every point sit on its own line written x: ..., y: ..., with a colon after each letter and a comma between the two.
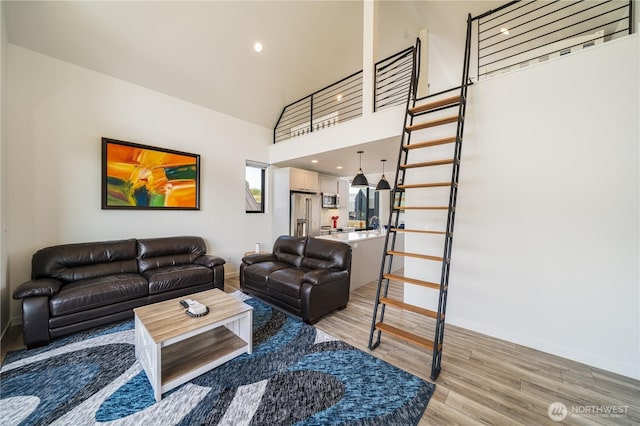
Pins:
x: 95, y: 292
x: 286, y: 281
x: 258, y: 273
x: 175, y: 277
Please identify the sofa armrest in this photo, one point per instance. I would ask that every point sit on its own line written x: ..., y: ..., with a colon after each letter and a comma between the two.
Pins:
x: 209, y: 261
x: 259, y: 257
x: 325, y: 276
x: 42, y: 287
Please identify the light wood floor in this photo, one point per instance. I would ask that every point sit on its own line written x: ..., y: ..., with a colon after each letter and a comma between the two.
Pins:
x: 483, y: 380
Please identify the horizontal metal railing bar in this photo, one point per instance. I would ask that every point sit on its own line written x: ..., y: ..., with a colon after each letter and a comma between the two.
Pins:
x: 498, y: 9
x: 393, y: 58
x: 392, y: 70
x: 523, y: 14
x: 392, y: 100
x: 534, y: 19
x: 347, y: 111
x: 397, y: 71
x: 299, y: 101
x: 326, y: 87
x: 398, y: 91
x: 555, y: 31
x: 392, y: 103
x: 399, y: 79
x: 338, y: 87
x: 555, y: 41
x: 298, y: 117
x: 381, y: 92
x: 333, y: 103
x: 294, y: 116
x: 344, y: 89
x: 555, y: 51
x: 404, y: 71
x: 305, y: 111
x: 298, y: 105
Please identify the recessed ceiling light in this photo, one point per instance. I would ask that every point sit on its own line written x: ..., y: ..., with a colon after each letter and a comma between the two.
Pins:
x: 339, y: 167
x: 314, y: 161
x: 257, y: 46
x: 504, y: 31
x: 339, y: 97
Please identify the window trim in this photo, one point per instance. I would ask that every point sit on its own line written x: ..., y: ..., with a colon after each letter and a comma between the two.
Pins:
x: 263, y: 179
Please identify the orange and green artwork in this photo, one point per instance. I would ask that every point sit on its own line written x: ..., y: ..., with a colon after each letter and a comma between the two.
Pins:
x: 145, y: 177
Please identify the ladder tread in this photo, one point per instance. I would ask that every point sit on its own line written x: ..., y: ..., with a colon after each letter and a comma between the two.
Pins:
x: 418, y: 231
x: 451, y: 101
x: 421, y: 207
x: 416, y: 255
x: 427, y: 163
x: 424, y: 185
x: 432, y: 123
x: 434, y: 142
x: 409, y: 307
x: 395, y: 277
x: 405, y: 335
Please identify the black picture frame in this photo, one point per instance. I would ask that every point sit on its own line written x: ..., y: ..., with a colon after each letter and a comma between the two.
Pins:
x: 144, y: 177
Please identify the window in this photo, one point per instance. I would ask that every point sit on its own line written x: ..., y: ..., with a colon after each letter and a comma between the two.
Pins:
x: 363, y: 208
x: 254, y: 177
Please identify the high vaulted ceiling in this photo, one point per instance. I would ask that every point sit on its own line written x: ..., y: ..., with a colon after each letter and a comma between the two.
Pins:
x: 202, y: 51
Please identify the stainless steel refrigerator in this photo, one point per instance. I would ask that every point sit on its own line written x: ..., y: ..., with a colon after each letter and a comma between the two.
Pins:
x: 305, y: 215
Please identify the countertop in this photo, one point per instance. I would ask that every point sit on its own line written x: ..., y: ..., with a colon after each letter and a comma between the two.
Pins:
x: 349, y: 237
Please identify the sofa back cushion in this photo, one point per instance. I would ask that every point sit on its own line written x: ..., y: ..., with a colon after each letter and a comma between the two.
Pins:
x: 290, y: 249
x: 154, y: 253
x: 72, y: 262
x: 327, y: 254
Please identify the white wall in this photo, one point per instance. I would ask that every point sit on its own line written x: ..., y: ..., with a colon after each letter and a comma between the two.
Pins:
x: 58, y: 113
x: 546, y: 247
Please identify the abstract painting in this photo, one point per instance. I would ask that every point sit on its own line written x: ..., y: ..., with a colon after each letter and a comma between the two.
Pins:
x: 137, y: 176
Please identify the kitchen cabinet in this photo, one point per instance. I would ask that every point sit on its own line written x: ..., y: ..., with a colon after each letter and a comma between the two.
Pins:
x: 303, y: 180
x: 328, y: 185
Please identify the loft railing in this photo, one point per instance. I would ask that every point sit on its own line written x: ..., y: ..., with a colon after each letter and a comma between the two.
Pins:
x: 393, y: 79
x: 523, y: 33
x: 342, y: 100
x: 338, y: 102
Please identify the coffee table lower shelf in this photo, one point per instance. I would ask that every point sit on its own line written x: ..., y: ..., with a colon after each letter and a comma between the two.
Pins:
x: 171, y: 363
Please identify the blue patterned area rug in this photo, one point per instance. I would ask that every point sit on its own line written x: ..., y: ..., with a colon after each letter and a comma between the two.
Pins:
x: 295, y: 375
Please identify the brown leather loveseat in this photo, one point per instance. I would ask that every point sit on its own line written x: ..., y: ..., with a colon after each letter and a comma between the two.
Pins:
x: 78, y: 286
x: 308, y: 277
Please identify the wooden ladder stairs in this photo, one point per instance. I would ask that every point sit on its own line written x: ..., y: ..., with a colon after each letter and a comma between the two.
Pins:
x: 431, y: 122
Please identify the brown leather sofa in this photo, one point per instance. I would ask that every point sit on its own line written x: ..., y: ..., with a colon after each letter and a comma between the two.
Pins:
x: 78, y: 286
x: 308, y: 277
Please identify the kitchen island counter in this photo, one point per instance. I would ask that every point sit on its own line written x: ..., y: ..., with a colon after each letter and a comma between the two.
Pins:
x: 349, y: 237
x: 366, y: 254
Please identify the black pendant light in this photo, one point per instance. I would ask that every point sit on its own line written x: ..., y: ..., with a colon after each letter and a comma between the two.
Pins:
x: 383, y: 184
x: 360, y: 180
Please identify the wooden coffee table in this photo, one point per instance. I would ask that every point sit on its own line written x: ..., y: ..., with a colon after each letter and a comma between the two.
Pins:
x: 173, y: 347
